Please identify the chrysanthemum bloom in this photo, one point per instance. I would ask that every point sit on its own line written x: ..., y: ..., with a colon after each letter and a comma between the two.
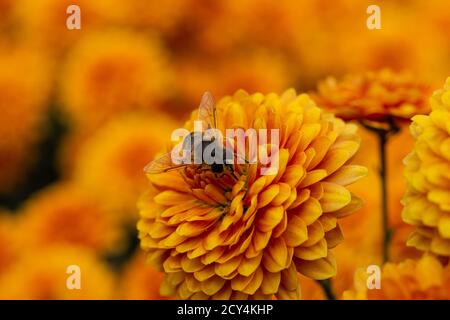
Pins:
x: 363, y: 234
x: 140, y: 283
x: 255, y: 71
x: 66, y: 214
x: 43, y: 274
x: 162, y: 16
x: 249, y: 236
x: 427, y: 200
x: 113, y: 72
x: 110, y: 162
x: 44, y: 23
x: 23, y: 101
x: 382, y: 102
x: 373, y: 96
x: 6, y: 9
x: 421, y: 279
x: 8, y: 241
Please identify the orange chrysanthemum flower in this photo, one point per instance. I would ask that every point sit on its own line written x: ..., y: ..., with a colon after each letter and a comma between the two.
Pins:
x: 373, y: 96
x: 427, y: 199
x: 8, y: 244
x: 42, y: 274
x: 23, y: 107
x: 255, y: 71
x: 140, y: 283
x: 43, y: 23
x: 111, y: 73
x: 66, y: 214
x: 249, y: 236
x: 421, y: 279
x: 109, y: 163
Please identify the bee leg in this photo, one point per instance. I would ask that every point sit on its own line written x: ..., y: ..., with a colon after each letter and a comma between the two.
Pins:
x: 183, y: 175
x: 231, y: 169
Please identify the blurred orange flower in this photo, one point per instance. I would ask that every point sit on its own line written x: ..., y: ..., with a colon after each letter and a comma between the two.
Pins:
x: 112, y: 72
x: 427, y: 200
x: 373, y: 95
x: 65, y: 214
x: 111, y: 162
x: 421, y: 279
x: 8, y: 240
x: 255, y: 71
x: 363, y: 230
x: 23, y: 107
x: 139, y: 282
x: 247, y: 237
x: 42, y: 274
x: 43, y: 23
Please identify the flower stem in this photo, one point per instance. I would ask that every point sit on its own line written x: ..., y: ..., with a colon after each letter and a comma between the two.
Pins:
x: 383, y: 133
x: 327, y: 289
x: 386, y: 231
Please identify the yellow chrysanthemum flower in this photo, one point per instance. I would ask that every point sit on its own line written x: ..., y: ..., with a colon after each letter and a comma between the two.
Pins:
x: 140, y: 283
x: 42, y: 274
x: 112, y: 72
x: 421, y: 279
x: 373, y: 95
x: 427, y: 200
x: 110, y: 162
x: 249, y: 236
x: 23, y: 101
x: 66, y: 214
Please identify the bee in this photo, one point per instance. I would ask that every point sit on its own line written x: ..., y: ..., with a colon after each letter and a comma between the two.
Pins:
x: 196, y: 143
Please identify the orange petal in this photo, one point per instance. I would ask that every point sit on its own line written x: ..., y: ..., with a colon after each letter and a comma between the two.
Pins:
x: 255, y: 283
x: 191, y: 265
x: 334, y: 197
x: 313, y: 177
x: 269, y: 218
x: 213, y: 285
x: 315, y: 234
x: 309, y: 211
x: 347, y: 175
x: 320, y: 269
x: 249, y: 265
x: 215, y: 193
x: 334, y: 160
x: 268, y: 195
x: 271, y: 282
x: 314, y: 252
x: 296, y: 232
x: 226, y: 268
x: 172, y: 198
x: 334, y: 237
x: 293, y: 175
x: 354, y: 205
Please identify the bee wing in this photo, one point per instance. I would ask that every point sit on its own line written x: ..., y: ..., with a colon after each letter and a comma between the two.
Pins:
x: 241, y: 157
x: 207, y: 110
x: 162, y: 164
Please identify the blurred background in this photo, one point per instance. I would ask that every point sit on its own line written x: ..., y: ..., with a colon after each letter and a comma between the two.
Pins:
x: 83, y: 111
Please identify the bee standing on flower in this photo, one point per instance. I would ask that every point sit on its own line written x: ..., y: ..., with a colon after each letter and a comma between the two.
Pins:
x: 228, y: 238
x: 196, y: 144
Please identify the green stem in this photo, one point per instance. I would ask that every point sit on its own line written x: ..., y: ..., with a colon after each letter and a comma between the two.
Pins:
x: 327, y: 289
